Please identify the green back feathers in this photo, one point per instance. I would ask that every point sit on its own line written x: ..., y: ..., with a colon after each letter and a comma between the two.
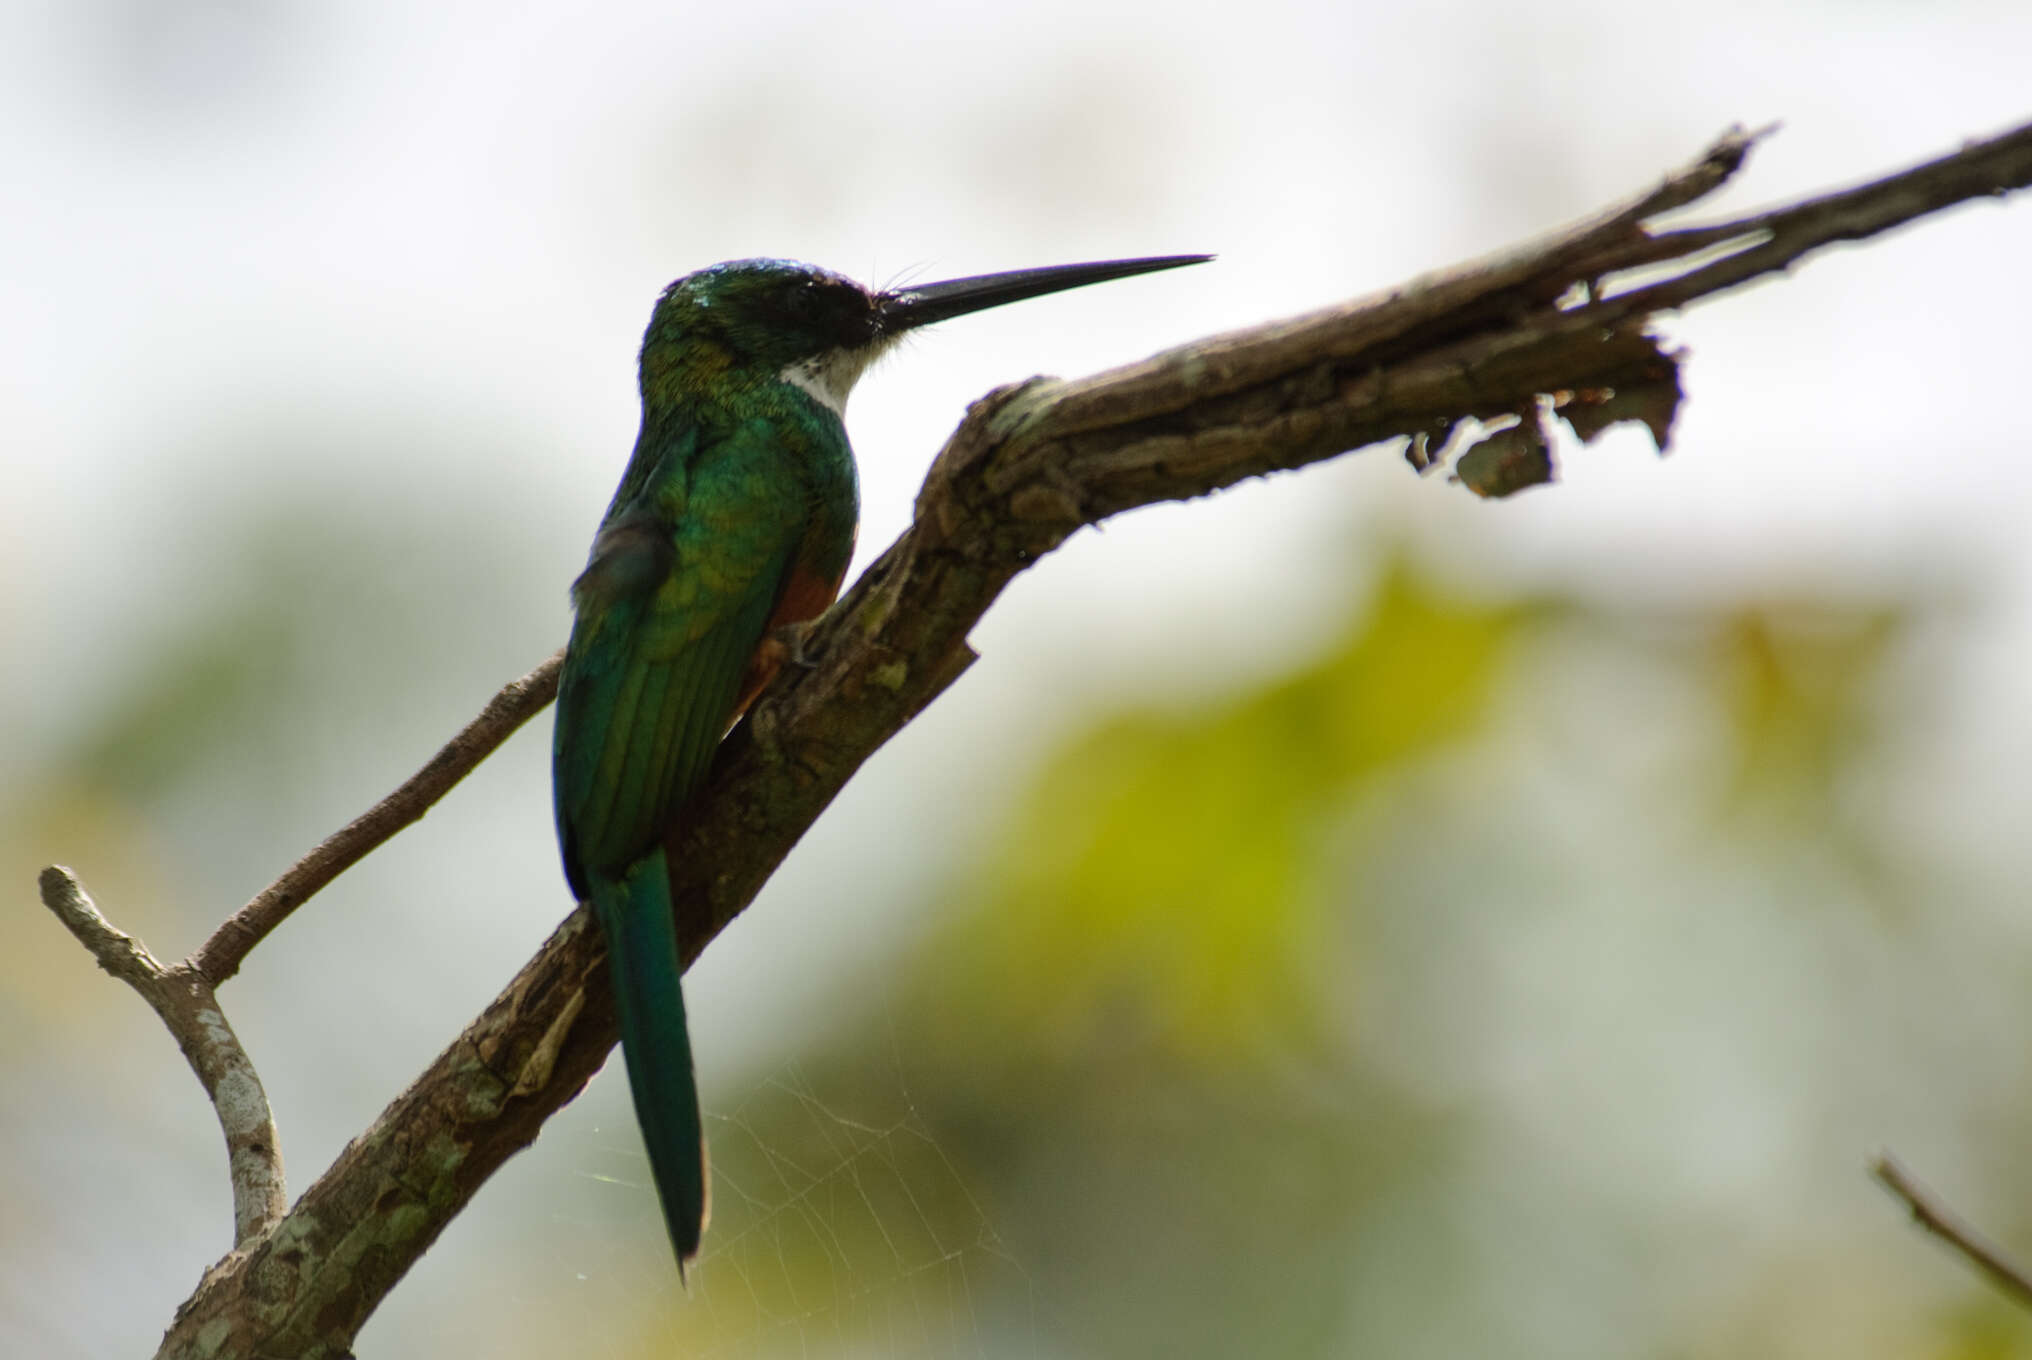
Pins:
x: 689, y: 564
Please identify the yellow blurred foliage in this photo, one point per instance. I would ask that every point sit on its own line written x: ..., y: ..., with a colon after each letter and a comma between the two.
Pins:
x: 49, y: 978
x: 1160, y: 884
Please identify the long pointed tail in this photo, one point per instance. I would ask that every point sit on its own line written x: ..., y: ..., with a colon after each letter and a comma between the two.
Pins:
x: 635, y: 913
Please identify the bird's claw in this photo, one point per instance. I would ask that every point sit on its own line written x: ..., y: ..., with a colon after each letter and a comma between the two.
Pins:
x: 791, y: 638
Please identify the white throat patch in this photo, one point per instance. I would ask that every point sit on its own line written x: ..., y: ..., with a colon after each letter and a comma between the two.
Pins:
x: 830, y: 376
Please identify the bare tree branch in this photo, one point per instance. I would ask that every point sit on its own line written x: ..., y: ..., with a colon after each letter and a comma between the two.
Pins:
x: 1521, y: 335
x: 184, y: 1000
x: 518, y: 701
x: 1941, y: 1221
x: 183, y: 994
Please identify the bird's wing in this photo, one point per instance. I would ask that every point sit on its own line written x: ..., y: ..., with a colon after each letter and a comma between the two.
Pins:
x: 673, y: 603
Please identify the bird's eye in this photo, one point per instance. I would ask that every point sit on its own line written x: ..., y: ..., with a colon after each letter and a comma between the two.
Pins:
x: 803, y: 300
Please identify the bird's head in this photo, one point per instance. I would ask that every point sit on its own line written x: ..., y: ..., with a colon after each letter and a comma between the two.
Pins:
x: 750, y: 321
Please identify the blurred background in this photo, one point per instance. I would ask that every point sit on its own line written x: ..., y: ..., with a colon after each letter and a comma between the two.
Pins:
x: 1338, y: 917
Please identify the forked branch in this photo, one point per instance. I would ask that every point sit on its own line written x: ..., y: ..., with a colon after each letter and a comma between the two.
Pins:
x: 184, y: 1000
x: 182, y: 994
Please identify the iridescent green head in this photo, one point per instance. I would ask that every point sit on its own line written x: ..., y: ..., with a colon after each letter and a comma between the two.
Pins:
x: 756, y: 321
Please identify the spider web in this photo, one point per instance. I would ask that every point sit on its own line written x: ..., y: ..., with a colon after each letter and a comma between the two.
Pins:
x: 836, y: 1230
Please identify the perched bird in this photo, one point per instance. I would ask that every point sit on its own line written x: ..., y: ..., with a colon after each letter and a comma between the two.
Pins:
x: 735, y: 518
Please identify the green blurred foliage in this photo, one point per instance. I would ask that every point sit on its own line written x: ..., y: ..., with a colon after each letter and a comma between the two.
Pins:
x: 1131, y: 1096
x: 1987, y: 1327
x: 1431, y: 999
x: 1160, y: 888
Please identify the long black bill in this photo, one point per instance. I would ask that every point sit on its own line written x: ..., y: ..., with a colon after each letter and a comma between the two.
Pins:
x: 926, y: 303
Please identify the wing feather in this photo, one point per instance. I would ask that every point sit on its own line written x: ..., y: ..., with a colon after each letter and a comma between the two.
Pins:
x: 670, y: 610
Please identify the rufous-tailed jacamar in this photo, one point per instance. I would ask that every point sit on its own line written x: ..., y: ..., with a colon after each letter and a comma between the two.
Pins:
x: 734, y: 519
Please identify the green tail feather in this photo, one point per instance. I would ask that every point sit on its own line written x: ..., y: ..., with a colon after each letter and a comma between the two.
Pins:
x: 635, y: 913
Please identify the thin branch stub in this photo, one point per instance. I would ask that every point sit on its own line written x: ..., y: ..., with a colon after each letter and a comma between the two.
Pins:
x: 1942, y: 1222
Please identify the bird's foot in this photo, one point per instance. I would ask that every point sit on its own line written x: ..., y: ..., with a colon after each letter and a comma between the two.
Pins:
x: 791, y: 638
